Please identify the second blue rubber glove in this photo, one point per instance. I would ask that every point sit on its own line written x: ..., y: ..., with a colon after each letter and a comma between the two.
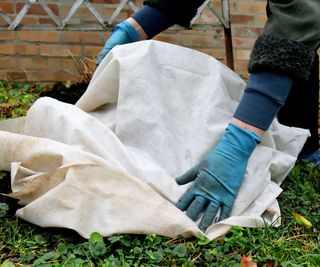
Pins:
x: 123, y: 33
x: 218, y: 176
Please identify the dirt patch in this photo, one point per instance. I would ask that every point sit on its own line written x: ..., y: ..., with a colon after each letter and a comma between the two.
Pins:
x: 63, y: 92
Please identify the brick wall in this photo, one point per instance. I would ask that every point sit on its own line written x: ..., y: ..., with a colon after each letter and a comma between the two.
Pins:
x: 27, y: 53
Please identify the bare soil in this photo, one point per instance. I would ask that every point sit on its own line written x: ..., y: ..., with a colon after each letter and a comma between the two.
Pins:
x: 64, y: 93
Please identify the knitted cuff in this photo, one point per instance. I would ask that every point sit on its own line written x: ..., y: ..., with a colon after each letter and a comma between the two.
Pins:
x: 282, y: 55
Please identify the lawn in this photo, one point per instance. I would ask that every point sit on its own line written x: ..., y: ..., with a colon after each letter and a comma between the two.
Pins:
x: 294, y: 243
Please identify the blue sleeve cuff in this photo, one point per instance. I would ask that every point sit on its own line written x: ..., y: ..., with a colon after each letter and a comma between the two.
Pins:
x: 265, y: 94
x: 152, y: 20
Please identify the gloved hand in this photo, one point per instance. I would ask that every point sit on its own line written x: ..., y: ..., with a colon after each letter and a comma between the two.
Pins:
x: 218, y: 176
x: 123, y: 33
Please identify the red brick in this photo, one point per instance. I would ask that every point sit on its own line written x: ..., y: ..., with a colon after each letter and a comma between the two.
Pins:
x: 243, y: 42
x: 241, y: 65
x: 242, y: 54
x: 92, y: 51
x: 16, y: 76
x: 245, y: 7
x: 7, y: 35
x: 73, y: 65
x: 7, y: 7
x: 52, y: 76
x: 32, y: 76
x: 261, y: 20
x: 233, y: 5
x: 22, y: 74
x: 83, y: 12
x: 245, y: 31
x: 105, y: 1
x: 90, y: 21
x: 244, y: 75
x: 26, y: 49
x: 29, y: 21
x: 169, y: 38
x: 39, y: 36
x: 37, y: 9
x: 106, y: 36
x: 7, y: 49
x: 48, y: 75
x: 124, y: 14
x: 7, y: 63
x: 3, y: 75
x: 105, y: 11
x: 241, y: 19
x: 68, y: 63
x: 3, y: 22
x: 39, y: 63
x: 198, y: 41
x: 46, y: 21
x: 129, y: 13
x: 82, y: 37
x: 52, y: 50
x: 218, y: 54
x: 207, y: 17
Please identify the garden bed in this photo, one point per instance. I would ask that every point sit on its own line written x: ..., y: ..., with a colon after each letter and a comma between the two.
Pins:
x: 294, y: 243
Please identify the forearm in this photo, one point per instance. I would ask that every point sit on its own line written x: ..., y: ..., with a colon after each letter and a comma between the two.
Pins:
x: 142, y: 25
x: 151, y: 21
x: 138, y: 28
x: 180, y: 11
x: 264, y: 95
x: 285, y: 49
x: 158, y: 15
x: 248, y: 126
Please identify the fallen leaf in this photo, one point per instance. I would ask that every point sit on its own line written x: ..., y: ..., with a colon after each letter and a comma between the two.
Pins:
x: 246, y: 261
x: 270, y: 264
x: 301, y: 220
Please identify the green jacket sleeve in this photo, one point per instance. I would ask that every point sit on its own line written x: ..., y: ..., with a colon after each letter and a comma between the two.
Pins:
x: 290, y: 39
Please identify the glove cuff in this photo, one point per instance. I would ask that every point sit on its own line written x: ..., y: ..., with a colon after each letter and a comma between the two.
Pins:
x: 129, y: 29
x: 240, y: 138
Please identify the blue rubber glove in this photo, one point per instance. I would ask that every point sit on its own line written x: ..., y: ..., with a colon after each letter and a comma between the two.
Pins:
x: 123, y: 33
x: 218, y: 176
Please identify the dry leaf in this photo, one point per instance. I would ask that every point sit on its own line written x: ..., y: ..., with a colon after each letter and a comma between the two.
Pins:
x: 301, y: 220
x: 270, y: 264
x: 246, y: 261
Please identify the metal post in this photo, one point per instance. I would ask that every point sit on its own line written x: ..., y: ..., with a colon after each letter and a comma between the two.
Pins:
x: 227, y: 34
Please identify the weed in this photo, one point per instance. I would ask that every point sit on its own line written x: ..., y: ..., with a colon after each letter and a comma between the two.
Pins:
x: 16, y: 98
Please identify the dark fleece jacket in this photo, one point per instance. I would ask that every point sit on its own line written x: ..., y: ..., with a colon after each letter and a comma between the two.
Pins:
x: 289, y: 41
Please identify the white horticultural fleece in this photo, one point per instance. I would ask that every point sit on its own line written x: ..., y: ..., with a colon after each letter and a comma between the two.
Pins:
x: 108, y: 163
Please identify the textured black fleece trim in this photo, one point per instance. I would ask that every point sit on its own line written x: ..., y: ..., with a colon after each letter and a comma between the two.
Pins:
x: 180, y: 11
x: 275, y: 53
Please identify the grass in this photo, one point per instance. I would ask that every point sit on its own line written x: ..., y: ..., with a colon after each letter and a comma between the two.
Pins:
x: 291, y: 244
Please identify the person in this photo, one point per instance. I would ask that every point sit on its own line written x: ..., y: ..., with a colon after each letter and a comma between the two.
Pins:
x: 284, y: 81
